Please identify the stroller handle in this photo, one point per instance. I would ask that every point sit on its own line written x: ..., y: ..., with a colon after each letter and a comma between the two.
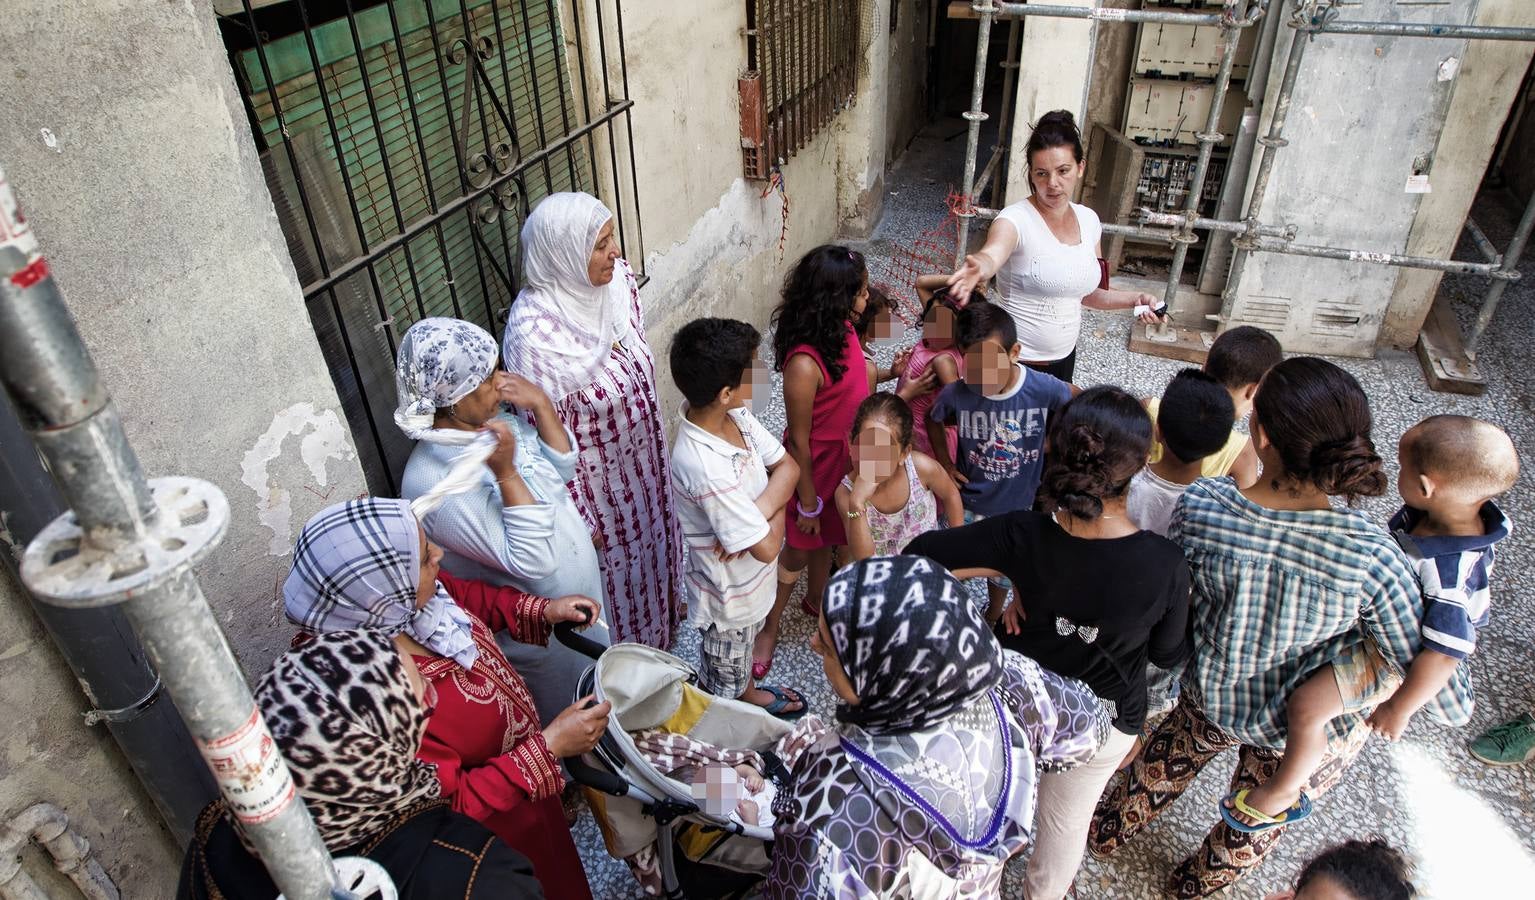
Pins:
x: 596, y: 778
x: 565, y: 633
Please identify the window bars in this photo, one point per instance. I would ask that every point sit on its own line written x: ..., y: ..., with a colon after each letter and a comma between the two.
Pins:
x: 802, y: 63
x: 404, y: 142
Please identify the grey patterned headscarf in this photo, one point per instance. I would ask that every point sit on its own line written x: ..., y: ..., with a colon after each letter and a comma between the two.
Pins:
x: 441, y: 361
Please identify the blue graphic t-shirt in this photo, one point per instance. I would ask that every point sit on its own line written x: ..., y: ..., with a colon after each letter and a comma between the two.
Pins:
x: 1001, y: 438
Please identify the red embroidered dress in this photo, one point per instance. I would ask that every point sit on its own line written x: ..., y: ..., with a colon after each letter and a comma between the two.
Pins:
x: 485, y: 738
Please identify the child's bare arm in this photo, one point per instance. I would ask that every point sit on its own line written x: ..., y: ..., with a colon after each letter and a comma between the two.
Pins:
x: 935, y: 479
x: 860, y: 542
x: 801, y: 379
x: 767, y: 549
x: 928, y: 285
x: 1429, y: 673
x: 946, y: 370
x: 783, y: 477
x: 1245, y: 469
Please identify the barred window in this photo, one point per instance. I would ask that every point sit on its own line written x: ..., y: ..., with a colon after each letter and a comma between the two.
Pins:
x: 802, y: 64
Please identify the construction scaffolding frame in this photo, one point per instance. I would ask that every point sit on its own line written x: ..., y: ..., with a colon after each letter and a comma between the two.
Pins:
x: 1309, y: 18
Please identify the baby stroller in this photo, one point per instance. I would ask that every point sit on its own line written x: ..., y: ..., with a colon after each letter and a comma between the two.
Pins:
x: 698, y: 855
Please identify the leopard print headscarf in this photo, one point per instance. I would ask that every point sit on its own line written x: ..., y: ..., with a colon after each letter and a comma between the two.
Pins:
x: 346, y: 718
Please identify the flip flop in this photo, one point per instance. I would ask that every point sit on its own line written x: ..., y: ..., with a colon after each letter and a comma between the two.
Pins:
x: 782, y: 699
x: 1299, y: 810
x: 809, y: 609
x: 760, y: 668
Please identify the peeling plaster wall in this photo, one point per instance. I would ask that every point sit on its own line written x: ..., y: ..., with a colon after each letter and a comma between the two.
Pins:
x: 131, y: 153
x: 711, y: 238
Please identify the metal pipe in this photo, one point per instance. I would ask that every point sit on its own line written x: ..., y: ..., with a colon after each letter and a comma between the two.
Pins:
x: 1150, y: 216
x: 1508, y: 271
x: 1153, y: 234
x: 1207, y: 138
x: 1005, y: 117
x: 1019, y: 10
x: 106, y: 659
x: 134, y: 542
x: 975, y: 117
x: 1270, y: 142
x: 1263, y: 245
x: 1479, y: 237
x: 71, y: 854
x: 1417, y: 29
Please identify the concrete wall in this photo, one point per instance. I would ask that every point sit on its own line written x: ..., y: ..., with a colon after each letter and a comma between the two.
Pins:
x: 906, y: 83
x: 1490, y: 78
x: 711, y: 238
x: 1055, y: 59
x: 128, y: 147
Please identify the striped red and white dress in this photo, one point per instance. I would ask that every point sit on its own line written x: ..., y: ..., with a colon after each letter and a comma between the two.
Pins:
x: 623, y: 486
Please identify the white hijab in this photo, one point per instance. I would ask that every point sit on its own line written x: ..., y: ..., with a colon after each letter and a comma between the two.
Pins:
x: 562, y: 327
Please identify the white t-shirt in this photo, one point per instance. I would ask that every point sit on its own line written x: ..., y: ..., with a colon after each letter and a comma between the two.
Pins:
x: 1151, y: 501
x: 1043, y: 282
x: 717, y: 485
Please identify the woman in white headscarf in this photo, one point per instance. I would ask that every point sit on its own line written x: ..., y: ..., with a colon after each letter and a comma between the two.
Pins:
x: 576, y: 331
x: 501, y: 513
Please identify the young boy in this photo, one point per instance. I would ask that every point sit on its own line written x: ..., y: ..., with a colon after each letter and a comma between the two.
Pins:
x: 1238, y: 360
x: 732, y: 480
x: 1451, y: 468
x: 1193, y: 422
x: 1000, y: 409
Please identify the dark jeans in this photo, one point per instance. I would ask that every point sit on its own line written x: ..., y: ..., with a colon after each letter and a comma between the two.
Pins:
x: 1061, y: 368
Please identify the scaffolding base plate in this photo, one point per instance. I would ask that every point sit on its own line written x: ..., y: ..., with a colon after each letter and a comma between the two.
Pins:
x: 1180, y: 342
x: 1442, y: 354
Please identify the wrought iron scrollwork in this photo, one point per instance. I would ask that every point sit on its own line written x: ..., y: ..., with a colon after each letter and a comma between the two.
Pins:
x: 498, y: 161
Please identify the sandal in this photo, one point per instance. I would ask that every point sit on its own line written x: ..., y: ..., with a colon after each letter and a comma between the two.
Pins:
x: 760, y: 668
x: 813, y: 610
x: 1299, y: 810
x: 781, y: 699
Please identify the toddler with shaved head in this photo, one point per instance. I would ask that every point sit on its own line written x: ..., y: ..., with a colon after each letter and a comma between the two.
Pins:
x: 1451, y: 469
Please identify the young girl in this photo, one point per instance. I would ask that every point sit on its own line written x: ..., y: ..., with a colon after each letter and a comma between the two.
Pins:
x: 883, y: 509
x: 935, y: 361
x: 877, y: 325
x: 816, y: 346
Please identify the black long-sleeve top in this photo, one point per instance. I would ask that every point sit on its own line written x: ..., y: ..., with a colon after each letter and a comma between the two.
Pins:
x: 1097, y: 610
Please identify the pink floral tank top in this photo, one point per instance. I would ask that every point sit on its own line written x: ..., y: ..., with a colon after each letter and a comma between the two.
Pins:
x: 893, y: 531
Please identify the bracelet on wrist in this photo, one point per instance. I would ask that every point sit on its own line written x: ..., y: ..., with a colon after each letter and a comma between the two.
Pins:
x: 820, y: 505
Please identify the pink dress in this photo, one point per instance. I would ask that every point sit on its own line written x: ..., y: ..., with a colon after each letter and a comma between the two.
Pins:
x: 623, y: 488
x: 831, y: 418
x: 921, y: 356
x: 893, y: 531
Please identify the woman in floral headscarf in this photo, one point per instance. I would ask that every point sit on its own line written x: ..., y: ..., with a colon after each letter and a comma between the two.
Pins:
x: 926, y: 785
x: 577, y: 332
x: 366, y: 564
x: 509, y: 521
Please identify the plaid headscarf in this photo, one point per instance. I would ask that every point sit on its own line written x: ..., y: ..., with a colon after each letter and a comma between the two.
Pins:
x: 356, y: 566
x: 910, y: 641
x: 346, y: 719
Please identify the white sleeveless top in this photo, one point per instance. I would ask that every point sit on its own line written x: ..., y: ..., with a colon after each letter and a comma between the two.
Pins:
x: 1043, y: 282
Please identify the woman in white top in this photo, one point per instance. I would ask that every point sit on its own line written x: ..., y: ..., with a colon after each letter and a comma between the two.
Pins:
x: 1044, y: 253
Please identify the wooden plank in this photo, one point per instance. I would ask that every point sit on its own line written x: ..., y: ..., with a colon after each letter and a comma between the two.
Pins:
x: 962, y: 9
x: 1181, y: 342
x: 1442, y: 353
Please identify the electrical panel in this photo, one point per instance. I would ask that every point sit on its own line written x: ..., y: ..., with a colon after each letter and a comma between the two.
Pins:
x: 1166, y: 178
x: 1162, y: 112
x: 1167, y: 50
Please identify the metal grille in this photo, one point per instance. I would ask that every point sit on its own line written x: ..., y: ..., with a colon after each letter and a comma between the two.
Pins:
x: 802, y: 64
x: 404, y: 142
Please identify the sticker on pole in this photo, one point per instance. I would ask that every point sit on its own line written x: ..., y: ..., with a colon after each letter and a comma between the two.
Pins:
x: 14, y: 230
x: 1418, y: 184
x: 250, y: 772
x: 1109, y: 14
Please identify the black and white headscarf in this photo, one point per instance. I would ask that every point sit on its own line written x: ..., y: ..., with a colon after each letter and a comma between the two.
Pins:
x: 349, y: 723
x: 357, y: 565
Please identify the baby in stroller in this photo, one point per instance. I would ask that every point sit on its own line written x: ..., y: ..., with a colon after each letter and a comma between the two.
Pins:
x: 726, y: 782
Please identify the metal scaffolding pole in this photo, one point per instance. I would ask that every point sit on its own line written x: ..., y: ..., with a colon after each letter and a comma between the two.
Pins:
x: 133, y: 541
x: 1207, y: 138
x: 1506, y: 272
x: 975, y: 117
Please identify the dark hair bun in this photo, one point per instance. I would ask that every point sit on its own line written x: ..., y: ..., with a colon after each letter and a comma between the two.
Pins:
x: 1097, y: 443
x: 1057, y: 118
x: 1348, y: 467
